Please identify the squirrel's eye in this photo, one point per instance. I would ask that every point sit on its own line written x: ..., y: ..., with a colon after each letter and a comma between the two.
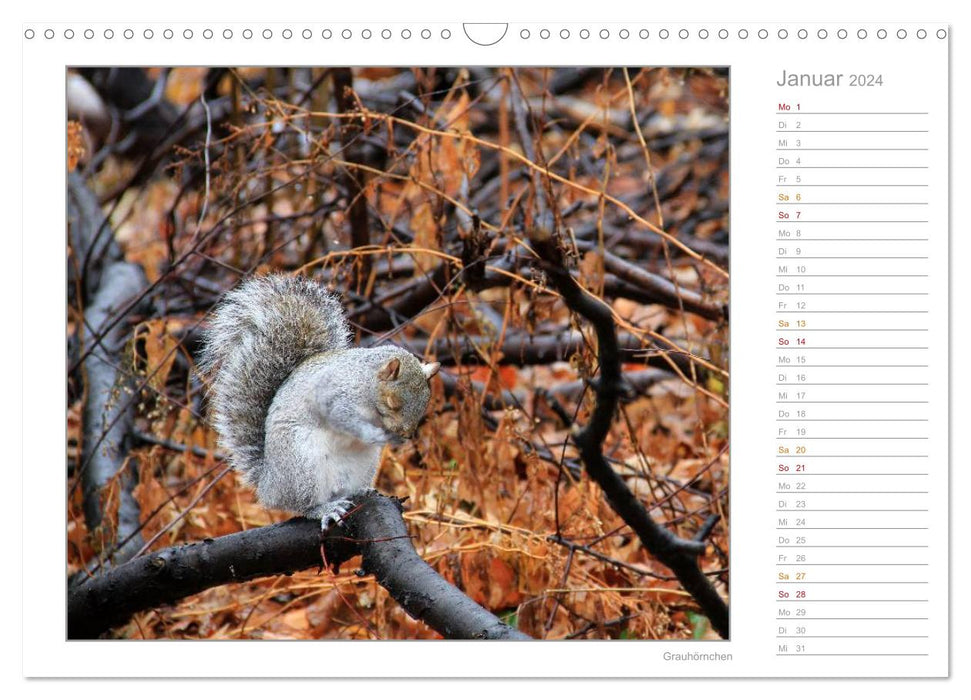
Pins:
x: 392, y: 402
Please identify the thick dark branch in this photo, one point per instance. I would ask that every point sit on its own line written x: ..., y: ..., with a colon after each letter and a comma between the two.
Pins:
x: 678, y: 554
x: 455, y: 385
x: 521, y: 349
x: 623, y: 280
x: 638, y: 381
x: 374, y: 529
x: 152, y: 125
x: 140, y: 102
x: 657, y: 289
x: 402, y: 301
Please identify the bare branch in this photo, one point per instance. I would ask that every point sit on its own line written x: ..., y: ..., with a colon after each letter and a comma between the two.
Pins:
x: 678, y: 554
x: 374, y: 529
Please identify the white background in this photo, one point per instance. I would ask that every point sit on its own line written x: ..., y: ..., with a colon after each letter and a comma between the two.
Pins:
x: 43, y: 412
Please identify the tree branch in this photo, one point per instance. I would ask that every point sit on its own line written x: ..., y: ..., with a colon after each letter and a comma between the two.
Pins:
x: 524, y: 349
x: 656, y: 288
x: 373, y: 529
x: 678, y: 554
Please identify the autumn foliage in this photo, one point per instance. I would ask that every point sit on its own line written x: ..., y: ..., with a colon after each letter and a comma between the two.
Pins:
x: 259, y: 170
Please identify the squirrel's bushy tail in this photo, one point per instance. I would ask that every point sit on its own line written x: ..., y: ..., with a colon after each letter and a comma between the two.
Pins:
x: 258, y: 334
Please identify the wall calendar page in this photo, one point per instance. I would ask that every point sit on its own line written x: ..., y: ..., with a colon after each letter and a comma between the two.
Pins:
x: 477, y: 337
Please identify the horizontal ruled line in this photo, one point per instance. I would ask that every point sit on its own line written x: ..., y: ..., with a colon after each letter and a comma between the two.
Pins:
x: 852, y: 402
x: 852, y: 131
x: 849, y: 564
x: 790, y: 113
x: 851, y: 384
x: 850, y: 636
x: 799, y: 112
x: 850, y: 240
x: 852, y: 149
x: 837, y: 617
x: 852, y: 600
x: 850, y: 420
x: 852, y: 546
x: 850, y: 167
x: 853, y: 185
x: 848, y: 330
x: 791, y: 619
x: 835, y: 654
x: 858, y: 311
x: 851, y: 221
x: 849, y: 204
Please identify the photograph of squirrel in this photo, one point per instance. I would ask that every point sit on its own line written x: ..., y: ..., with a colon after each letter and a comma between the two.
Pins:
x: 303, y: 415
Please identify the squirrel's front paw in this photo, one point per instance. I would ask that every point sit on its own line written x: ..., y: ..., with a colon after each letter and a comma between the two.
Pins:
x: 395, y: 440
x: 332, y: 512
x: 380, y: 436
x: 373, y: 435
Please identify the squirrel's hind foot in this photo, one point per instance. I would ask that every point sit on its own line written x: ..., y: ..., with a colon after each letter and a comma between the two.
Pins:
x: 329, y: 513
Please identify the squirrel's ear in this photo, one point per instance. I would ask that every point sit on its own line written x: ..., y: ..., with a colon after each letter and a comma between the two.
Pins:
x: 431, y: 369
x: 390, y: 371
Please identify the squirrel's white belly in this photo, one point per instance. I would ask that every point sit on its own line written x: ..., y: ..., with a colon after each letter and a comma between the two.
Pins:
x: 343, y: 465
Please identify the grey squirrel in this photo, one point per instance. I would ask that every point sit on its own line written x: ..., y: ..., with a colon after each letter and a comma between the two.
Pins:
x: 301, y: 413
